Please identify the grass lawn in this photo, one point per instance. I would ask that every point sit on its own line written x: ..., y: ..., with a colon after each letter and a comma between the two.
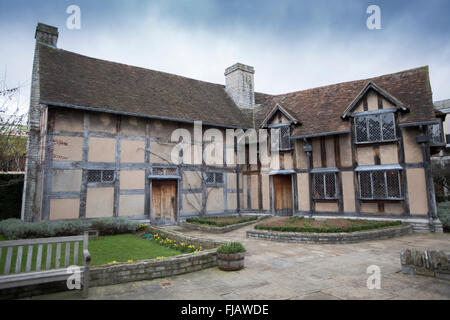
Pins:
x: 302, y: 224
x: 119, y: 248
x: 221, y: 221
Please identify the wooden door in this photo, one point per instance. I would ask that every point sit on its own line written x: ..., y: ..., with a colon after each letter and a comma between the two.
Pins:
x: 164, y: 200
x: 282, y: 185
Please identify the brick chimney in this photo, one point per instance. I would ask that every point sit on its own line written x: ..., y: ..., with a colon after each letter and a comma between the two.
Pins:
x: 46, y: 34
x: 240, y: 84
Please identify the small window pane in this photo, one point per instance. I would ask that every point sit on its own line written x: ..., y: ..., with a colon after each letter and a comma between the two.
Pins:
x: 108, y: 175
x: 171, y: 171
x: 361, y: 129
x: 388, y: 126
x: 219, y: 177
x: 374, y: 128
x: 330, y: 180
x: 158, y: 171
x: 318, y: 186
x: 285, y: 138
x: 209, y: 177
x: 94, y: 176
x: 393, y: 184
x: 379, y: 186
x: 365, y: 185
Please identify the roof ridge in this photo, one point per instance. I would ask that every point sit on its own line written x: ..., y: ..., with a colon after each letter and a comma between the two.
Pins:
x: 351, y: 81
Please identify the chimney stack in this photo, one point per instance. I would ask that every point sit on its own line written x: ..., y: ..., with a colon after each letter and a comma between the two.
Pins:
x: 239, y: 84
x: 46, y: 34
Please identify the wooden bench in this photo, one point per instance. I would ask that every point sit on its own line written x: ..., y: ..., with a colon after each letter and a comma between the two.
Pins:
x: 38, y: 276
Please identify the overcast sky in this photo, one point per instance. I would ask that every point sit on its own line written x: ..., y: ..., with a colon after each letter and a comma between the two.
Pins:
x: 292, y: 44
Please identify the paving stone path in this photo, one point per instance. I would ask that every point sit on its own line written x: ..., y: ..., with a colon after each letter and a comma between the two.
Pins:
x: 293, y: 271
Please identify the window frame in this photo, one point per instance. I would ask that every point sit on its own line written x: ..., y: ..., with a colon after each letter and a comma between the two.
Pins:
x: 102, y: 173
x: 378, y: 114
x: 164, y: 171
x: 385, y: 182
x: 214, y: 183
x: 430, y: 134
x: 324, y: 174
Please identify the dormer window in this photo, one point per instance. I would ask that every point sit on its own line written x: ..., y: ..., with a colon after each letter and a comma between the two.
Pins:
x: 370, y: 128
x: 285, y: 138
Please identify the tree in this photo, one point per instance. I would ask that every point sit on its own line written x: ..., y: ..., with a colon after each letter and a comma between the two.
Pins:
x: 12, y: 129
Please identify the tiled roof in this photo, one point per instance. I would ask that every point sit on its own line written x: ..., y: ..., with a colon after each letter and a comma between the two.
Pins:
x: 320, y: 109
x: 441, y: 105
x: 68, y: 78
x: 73, y: 79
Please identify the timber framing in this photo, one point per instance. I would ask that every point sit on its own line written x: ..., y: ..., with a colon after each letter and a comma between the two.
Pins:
x: 107, y: 151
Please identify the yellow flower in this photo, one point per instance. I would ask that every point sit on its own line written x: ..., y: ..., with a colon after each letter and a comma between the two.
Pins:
x: 130, y: 260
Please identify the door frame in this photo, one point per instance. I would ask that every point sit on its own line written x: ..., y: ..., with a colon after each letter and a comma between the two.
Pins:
x: 164, y: 178
x: 293, y: 190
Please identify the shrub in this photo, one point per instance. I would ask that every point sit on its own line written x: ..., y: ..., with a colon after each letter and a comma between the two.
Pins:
x: 231, y: 248
x: 444, y: 215
x: 111, y: 226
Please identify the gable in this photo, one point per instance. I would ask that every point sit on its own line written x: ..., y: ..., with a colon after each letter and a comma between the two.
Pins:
x: 278, y: 115
x: 372, y: 98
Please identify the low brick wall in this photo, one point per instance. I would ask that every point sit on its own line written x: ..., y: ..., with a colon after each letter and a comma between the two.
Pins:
x: 431, y: 263
x: 212, y: 229
x: 151, y: 269
x: 298, y: 237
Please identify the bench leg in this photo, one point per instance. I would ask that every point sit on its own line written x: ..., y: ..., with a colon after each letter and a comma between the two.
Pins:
x: 85, y: 292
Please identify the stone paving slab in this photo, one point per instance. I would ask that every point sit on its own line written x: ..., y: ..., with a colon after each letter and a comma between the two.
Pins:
x: 293, y: 271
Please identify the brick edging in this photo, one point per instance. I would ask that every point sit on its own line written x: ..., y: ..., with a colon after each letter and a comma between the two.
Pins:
x: 152, y: 269
x: 211, y: 229
x: 299, y: 237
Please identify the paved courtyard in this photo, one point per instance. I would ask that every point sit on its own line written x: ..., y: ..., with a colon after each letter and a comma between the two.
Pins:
x: 293, y: 271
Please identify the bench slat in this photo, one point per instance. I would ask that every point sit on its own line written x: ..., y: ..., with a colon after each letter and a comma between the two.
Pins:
x: 26, y: 242
x: 49, y: 256
x: 39, y: 258
x: 19, y: 259
x: 29, y: 258
x: 58, y: 255
x: 75, y: 253
x: 66, y: 259
x: 8, y: 260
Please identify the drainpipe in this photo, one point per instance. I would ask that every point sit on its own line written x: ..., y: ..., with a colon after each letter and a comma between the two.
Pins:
x: 307, y: 148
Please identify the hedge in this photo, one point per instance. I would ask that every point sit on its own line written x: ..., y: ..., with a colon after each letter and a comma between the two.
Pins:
x: 210, y: 221
x: 352, y: 228
x: 444, y: 215
x: 13, y: 229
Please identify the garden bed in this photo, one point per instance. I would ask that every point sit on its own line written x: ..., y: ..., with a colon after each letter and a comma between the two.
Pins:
x: 221, y: 224
x: 338, y: 225
x: 305, y: 230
